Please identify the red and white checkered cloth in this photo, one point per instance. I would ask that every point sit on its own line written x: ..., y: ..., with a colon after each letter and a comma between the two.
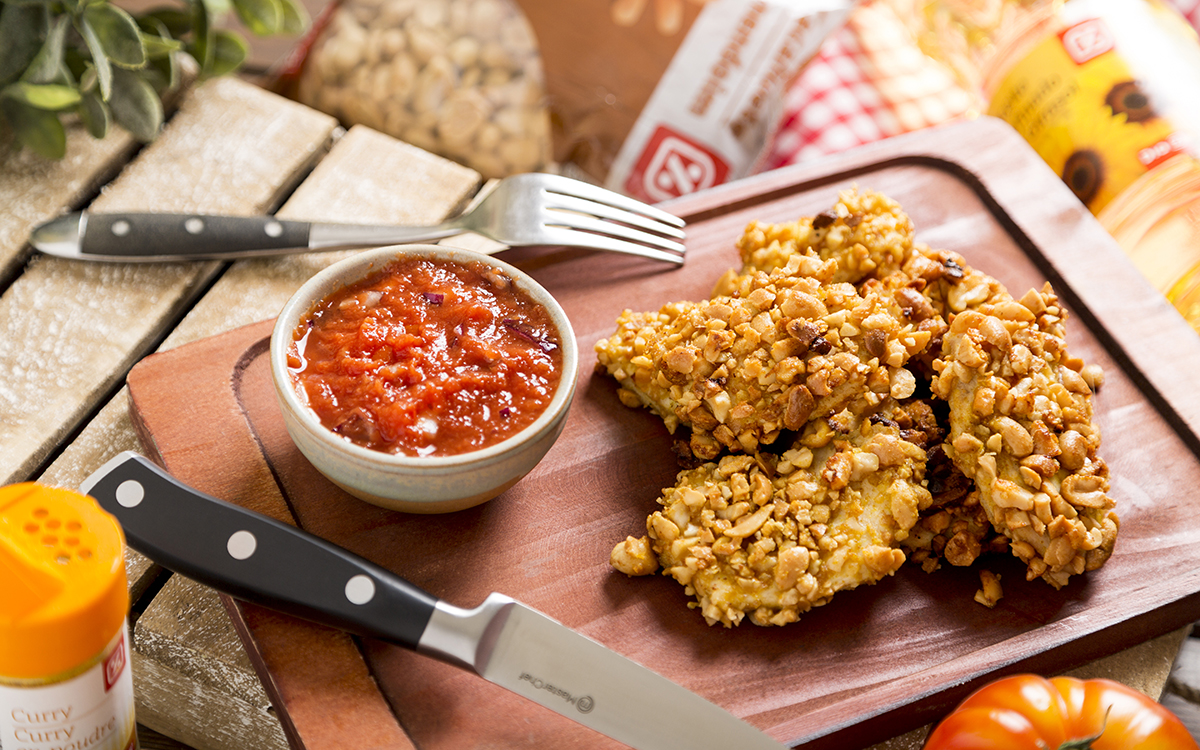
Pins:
x: 1190, y: 10
x: 871, y: 81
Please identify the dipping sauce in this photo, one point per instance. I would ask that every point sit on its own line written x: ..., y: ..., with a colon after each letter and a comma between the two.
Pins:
x: 427, y: 358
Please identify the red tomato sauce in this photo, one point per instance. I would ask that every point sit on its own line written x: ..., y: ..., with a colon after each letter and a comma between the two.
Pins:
x: 428, y: 358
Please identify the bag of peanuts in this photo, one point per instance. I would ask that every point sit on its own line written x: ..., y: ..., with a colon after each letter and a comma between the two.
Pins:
x: 460, y: 78
x: 652, y: 98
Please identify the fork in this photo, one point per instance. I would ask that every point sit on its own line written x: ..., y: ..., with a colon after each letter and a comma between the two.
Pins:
x: 524, y: 210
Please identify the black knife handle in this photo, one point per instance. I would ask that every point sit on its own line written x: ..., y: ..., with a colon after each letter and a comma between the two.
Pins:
x: 252, y: 557
x: 135, y: 235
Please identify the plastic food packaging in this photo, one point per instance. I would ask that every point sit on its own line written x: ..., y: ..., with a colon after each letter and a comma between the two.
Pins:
x: 65, y: 674
x: 460, y: 78
x: 657, y: 110
x: 1108, y: 93
x: 653, y: 103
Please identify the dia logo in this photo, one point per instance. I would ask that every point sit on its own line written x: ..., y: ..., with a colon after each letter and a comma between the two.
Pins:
x: 1087, y: 40
x: 672, y: 165
x: 114, y: 665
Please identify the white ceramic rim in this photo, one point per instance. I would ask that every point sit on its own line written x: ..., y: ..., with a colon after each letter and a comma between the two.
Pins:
x: 350, y: 270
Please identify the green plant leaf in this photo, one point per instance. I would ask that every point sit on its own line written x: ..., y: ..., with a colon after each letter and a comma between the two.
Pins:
x: 217, y: 8
x: 295, y: 17
x: 229, y: 52
x: 104, y: 69
x: 37, y: 129
x: 48, y: 64
x: 95, y: 115
x: 201, y: 47
x: 22, y: 28
x: 135, y: 105
x: 48, y: 96
x: 160, y: 46
x: 166, y: 70
x: 263, y: 17
x: 178, y: 22
x: 117, y: 33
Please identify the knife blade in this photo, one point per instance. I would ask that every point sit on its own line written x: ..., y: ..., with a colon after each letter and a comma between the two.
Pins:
x: 255, y: 558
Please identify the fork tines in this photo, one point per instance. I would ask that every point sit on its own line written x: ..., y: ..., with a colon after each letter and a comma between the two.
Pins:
x: 612, y: 221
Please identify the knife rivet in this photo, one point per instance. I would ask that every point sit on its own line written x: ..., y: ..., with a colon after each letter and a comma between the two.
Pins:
x: 273, y: 229
x: 130, y: 493
x: 120, y: 228
x: 360, y: 589
x: 241, y: 545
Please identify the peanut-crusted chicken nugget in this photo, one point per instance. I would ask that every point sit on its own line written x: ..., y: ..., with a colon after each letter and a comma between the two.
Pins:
x: 866, y: 233
x: 782, y: 348
x: 772, y: 537
x: 1021, y: 426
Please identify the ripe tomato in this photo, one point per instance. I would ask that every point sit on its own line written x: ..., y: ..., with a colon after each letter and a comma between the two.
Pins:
x: 1027, y: 712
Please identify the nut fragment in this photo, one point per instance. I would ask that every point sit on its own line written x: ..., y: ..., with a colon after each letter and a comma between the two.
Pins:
x: 633, y: 557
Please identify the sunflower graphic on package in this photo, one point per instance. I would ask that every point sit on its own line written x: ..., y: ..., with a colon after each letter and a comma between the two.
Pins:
x: 1095, y: 147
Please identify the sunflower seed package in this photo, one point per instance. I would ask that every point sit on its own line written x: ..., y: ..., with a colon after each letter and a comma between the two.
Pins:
x: 1108, y: 93
x: 1104, y: 90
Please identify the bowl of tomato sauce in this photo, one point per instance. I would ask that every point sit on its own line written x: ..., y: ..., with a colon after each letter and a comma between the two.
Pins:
x: 423, y: 379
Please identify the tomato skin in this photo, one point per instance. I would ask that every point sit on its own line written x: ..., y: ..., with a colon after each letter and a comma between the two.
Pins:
x: 1028, y: 712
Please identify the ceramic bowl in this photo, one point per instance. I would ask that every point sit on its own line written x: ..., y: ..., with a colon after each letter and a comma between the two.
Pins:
x: 431, y: 484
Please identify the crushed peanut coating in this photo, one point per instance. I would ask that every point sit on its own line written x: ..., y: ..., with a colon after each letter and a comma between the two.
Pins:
x: 925, y: 415
x: 1021, y: 426
x: 867, y: 234
x: 773, y: 537
x: 958, y: 532
x: 781, y: 349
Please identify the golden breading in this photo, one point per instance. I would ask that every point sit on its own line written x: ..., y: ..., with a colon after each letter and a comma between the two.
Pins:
x: 782, y: 348
x: 958, y: 532
x: 947, y: 284
x: 832, y: 332
x: 773, y: 537
x: 866, y: 234
x: 1021, y: 426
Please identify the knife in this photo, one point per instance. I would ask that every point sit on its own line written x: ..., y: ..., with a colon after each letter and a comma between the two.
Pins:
x: 255, y: 558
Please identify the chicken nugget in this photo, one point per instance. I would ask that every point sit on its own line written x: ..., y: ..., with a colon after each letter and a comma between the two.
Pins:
x: 772, y: 537
x: 1021, y: 426
x: 781, y: 349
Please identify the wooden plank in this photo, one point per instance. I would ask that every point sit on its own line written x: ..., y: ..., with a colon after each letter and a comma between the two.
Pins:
x: 365, y: 177
x: 186, y: 627
x: 34, y: 189
x: 70, y: 329
x: 202, y: 718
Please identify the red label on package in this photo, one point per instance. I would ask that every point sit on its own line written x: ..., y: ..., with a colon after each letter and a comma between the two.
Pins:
x: 672, y: 165
x: 114, y: 665
x: 1087, y: 40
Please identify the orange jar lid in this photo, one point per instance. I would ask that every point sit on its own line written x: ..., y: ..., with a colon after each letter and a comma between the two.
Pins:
x: 63, y: 591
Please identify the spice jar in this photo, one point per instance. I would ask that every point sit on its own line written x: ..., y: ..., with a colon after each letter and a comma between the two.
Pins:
x: 65, y: 676
x: 460, y: 78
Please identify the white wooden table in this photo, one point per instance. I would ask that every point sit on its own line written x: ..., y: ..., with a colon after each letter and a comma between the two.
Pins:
x: 70, y: 330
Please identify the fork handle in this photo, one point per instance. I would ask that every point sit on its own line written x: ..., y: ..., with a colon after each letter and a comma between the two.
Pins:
x: 169, y: 237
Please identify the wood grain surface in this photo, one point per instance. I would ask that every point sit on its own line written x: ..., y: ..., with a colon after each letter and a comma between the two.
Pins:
x: 192, y: 676
x: 872, y: 663
x: 231, y: 148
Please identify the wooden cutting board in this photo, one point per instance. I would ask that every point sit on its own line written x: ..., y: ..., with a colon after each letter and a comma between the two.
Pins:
x: 871, y: 664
